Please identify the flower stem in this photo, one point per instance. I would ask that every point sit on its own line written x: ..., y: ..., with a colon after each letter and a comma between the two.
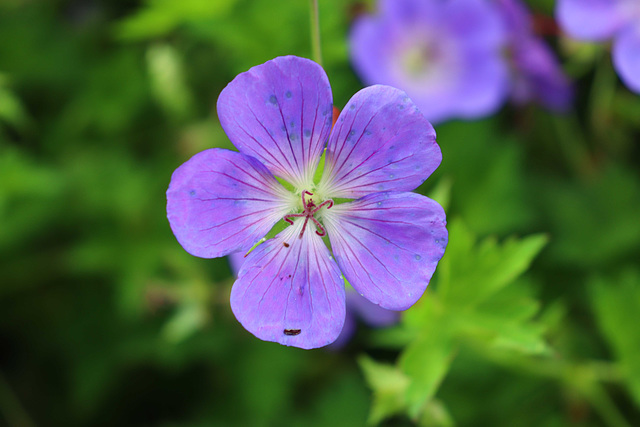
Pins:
x: 315, y: 32
x: 573, y: 144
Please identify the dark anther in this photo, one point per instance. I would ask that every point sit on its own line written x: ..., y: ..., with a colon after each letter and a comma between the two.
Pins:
x: 309, y: 211
x: 285, y: 244
x: 292, y: 332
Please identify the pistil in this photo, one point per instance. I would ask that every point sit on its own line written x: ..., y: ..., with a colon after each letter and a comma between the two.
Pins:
x: 309, y: 210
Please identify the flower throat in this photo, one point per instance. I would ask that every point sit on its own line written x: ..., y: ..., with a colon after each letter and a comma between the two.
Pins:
x: 308, y: 212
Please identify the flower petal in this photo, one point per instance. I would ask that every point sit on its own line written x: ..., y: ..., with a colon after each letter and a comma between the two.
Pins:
x: 590, y: 19
x: 537, y: 75
x: 626, y: 57
x: 220, y: 201
x: 280, y: 112
x: 381, y: 142
x: 290, y: 291
x: 388, y: 245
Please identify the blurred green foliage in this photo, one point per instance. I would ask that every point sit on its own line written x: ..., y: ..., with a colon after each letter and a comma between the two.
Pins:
x: 106, y: 321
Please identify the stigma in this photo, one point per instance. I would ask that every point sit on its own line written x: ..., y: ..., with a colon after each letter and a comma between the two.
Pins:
x: 309, y: 209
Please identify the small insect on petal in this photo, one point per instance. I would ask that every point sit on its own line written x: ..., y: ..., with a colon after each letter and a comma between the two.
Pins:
x: 292, y: 331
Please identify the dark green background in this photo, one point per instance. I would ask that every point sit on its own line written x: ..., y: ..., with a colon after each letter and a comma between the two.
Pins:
x: 106, y: 321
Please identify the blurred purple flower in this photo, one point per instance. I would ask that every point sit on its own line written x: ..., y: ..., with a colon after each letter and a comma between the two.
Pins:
x: 447, y: 55
x: 600, y: 20
x: 357, y: 308
x: 535, y: 72
x: 387, y: 242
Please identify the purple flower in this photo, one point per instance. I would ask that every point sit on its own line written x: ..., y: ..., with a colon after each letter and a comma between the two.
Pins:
x: 387, y: 242
x: 357, y: 307
x: 447, y: 55
x: 535, y: 72
x: 599, y: 20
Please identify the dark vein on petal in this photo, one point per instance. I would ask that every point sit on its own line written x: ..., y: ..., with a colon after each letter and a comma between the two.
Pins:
x: 258, y: 172
x: 287, y: 132
x: 354, y: 256
x: 293, y: 276
x: 344, y: 161
x: 236, y: 179
x: 324, y: 284
x: 370, y: 171
x: 370, y: 253
x: 265, y: 160
x: 302, y: 126
x: 234, y: 219
x: 272, y: 138
x: 373, y: 183
x: 379, y: 236
x: 275, y: 276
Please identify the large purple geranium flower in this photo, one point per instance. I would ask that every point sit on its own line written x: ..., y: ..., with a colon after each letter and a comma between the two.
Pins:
x: 387, y: 242
x: 535, y: 72
x: 600, y: 20
x: 447, y: 55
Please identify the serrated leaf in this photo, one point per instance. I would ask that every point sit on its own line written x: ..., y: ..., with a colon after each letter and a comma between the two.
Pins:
x: 475, y: 272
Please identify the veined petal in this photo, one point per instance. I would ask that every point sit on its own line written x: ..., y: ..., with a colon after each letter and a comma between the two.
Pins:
x: 220, y: 201
x: 626, y: 57
x: 280, y: 112
x: 290, y: 291
x: 381, y: 142
x: 388, y: 245
x: 590, y: 19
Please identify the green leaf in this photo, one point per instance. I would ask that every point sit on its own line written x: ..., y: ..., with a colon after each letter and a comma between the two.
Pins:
x: 435, y: 414
x: 616, y: 303
x: 426, y: 360
x: 506, y: 320
x: 389, y: 385
x: 168, y: 81
x: 160, y: 17
x: 11, y: 108
x: 476, y: 272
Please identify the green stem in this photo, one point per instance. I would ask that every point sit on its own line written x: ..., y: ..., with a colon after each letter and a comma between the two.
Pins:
x: 315, y: 32
x: 608, y: 411
x: 601, y: 96
x: 573, y: 144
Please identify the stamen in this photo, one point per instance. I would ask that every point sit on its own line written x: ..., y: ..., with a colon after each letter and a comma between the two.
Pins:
x: 309, y: 210
x: 321, y: 231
